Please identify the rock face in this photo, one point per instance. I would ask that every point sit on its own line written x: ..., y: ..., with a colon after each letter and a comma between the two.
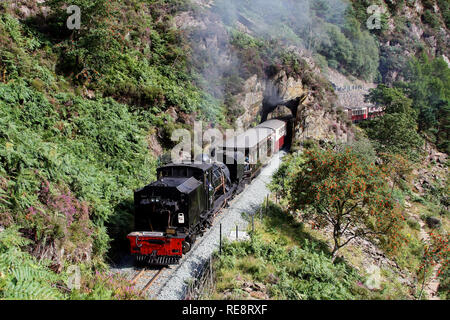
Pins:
x: 320, y: 125
x: 261, y: 97
x: 432, y: 172
x: 253, y: 290
x: 402, y: 39
x: 351, y: 94
x: 316, y: 122
x: 250, y: 100
x: 280, y: 88
x: 29, y: 8
x: 154, y: 145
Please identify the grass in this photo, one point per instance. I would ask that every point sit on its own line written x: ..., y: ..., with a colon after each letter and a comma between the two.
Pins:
x: 292, y: 263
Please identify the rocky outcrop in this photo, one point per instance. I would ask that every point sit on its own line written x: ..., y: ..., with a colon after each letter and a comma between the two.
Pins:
x: 351, y: 93
x: 325, y: 126
x: 433, y: 222
x: 280, y: 88
x: 437, y: 157
x: 29, y: 8
x: 261, y: 97
x: 432, y: 172
x: 250, y: 100
x: 315, y: 121
x: 408, y: 35
x: 250, y: 290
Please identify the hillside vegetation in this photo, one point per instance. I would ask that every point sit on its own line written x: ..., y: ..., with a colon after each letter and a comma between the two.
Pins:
x: 311, y: 245
x: 286, y: 260
x: 76, y: 112
x: 84, y: 115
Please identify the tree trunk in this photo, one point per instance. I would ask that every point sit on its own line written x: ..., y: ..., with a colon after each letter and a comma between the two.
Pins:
x: 336, y: 238
x: 336, y: 248
x: 334, y: 253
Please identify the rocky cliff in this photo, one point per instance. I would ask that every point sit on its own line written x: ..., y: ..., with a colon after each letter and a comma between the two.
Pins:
x: 412, y: 27
x: 263, y: 97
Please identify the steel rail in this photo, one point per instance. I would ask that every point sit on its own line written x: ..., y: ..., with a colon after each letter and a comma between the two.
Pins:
x: 152, y: 280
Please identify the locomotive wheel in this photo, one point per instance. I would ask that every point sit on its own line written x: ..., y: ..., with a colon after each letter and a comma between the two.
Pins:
x: 192, y: 239
x: 186, y: 247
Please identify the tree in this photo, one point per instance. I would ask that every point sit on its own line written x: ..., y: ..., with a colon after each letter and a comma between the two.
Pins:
x: 399, y: 169
x: 443, y: 132
x: 363, y: 148
x: 340, y: 190
x: 428, y: 85
x: 395, y: 133
x: 436, y: 253
x: 336, y: 46
x: 91, y: 10
x: 90, y: 51
x: 392, y: 99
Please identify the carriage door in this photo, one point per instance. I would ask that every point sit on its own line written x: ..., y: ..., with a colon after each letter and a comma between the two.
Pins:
x: 269, y: 147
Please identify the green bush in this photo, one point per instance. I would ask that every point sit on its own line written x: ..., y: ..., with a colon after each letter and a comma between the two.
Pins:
x: 21, y: 276
x: 303, y: 273
x: 96, y: 149
x: 430, y: 18
x: 444, y: 6
x: 413, y: 224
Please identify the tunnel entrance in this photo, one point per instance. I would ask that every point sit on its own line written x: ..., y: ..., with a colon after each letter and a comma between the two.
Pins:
x: 273, y: 103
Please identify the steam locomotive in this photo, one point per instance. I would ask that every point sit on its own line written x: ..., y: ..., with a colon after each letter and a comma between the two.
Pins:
x: 173, y: 211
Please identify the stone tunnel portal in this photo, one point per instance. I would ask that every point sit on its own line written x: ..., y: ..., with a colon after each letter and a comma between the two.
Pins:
x: 271, y: 107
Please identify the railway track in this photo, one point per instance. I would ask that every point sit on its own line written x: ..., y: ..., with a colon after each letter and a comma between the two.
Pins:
x: 246, y: 202
x: 145, y: 278
x: 169, y: 283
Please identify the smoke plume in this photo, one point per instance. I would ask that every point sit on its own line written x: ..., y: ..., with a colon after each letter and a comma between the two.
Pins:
x: 294, y: 24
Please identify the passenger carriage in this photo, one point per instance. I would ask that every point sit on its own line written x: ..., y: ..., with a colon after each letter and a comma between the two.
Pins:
x: 278, y: 128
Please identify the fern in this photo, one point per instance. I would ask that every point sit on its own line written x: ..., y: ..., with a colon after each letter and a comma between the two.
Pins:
x: 21, y: 276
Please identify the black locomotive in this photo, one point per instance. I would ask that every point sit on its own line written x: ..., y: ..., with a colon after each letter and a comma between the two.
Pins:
x: 179, y: 206
x: 173, y: 211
